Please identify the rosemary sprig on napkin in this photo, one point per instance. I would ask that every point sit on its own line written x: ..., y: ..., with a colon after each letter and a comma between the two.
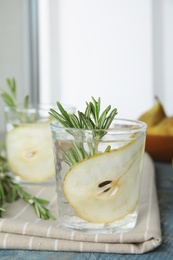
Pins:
x: 91, y: 119
x: 10, y: 191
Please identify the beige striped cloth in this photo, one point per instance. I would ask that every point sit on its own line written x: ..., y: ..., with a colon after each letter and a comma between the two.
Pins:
x: 21, y: 229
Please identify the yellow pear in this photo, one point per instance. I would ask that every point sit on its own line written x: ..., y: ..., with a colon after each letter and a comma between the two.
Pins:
x: 154, y: 115
x: 165, y: 127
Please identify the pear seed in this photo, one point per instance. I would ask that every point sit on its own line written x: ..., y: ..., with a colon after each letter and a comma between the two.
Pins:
x: 104, y: 183
x: 107, y: 190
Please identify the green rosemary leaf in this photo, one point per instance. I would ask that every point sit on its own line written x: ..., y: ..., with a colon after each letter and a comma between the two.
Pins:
x: 3, y: 164
x: 69, y: 160
x: 102, y: 119
x: 81, y: 121
x: 26, y: 102
x: 85, y: 154
x: 87, y: 122
x: 14, y: 194
x: 110, y: 118
x: 74, y: 120
x: 55, y: 114
x: 99, y: 104
x: 107, y: 122
x: 8, y: 82
x: 49, y: 215
x: 8, y: 99
x: 63, y: 112
x: 91, y: 148
x: 58, y: 117
x: 42, y: 201
x: 96, y: 109
x: 103, y: 116
x: 37, y: 211
x: 79, y: 152
x: 42, y: 210
x: 72, y: 155
x: 113, y: 113
x: 12, y: 86
x: 87, y: 110
x: 2, y: 195
x: 92, y: 109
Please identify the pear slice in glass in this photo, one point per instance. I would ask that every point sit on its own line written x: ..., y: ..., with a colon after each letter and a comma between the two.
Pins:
x: 30, y: 152
x: 105, y: 187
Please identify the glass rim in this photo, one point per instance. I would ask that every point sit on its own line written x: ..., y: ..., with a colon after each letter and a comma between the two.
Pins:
x: 129, y: 126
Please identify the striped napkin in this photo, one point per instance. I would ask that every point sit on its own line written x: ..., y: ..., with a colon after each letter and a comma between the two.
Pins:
x: 21, y: 229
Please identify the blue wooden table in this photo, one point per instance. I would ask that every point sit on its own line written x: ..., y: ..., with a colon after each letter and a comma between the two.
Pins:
x: 164, y: 180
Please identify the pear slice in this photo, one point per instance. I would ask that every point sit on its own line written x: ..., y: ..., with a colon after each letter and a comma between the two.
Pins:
x: 30, y: 152
x: 105, y: 187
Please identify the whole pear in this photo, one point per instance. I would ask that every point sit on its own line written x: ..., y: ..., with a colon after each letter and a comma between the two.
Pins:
x: 154, y: 115
x: 165, y: 127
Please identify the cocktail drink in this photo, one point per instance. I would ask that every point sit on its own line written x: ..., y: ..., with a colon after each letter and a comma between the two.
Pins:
x: 29, y: 144
x: 98, y: 172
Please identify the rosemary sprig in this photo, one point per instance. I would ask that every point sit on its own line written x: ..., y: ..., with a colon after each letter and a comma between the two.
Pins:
x: 10, y: 99
x: 91, y: 119
x: 11, y: 191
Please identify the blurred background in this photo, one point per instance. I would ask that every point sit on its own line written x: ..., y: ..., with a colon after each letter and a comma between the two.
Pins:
x: 69, y: 51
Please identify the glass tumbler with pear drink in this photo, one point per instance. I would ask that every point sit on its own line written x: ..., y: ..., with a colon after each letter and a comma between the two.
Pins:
x: 98, y: 172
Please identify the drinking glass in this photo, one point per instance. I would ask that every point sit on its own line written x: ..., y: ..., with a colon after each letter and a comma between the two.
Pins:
x: 29, y: 144
x: 98, y: 175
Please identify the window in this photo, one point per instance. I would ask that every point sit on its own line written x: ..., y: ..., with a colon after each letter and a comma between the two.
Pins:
x: 109, y: 48
x: 18, y: 49
x: 118, y: 50
x: 97, y: 48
